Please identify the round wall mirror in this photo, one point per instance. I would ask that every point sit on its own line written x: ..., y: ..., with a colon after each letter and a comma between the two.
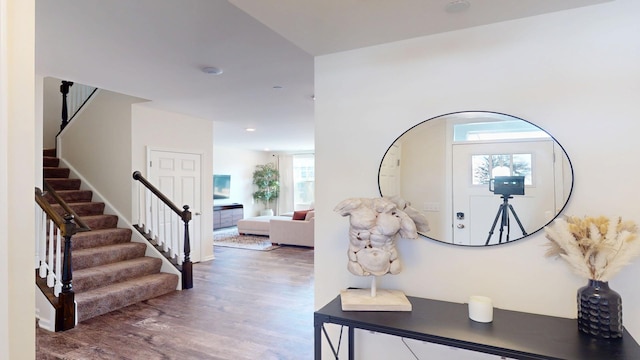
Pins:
x: 481, y: 178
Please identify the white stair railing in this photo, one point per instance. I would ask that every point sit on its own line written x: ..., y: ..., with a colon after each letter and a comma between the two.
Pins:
x: 48, y: 250
x: 74, y: 96
x: 53, y: 263
x: 78, y: 94
x: 165, y: 225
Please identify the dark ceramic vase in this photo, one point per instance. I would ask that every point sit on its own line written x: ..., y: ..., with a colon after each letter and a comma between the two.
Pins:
x: 599, y: 310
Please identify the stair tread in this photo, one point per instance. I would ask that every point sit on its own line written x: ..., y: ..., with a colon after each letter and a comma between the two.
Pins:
x: 102, y: 275
x: 78, y: 274
x: 81, y: 202
x: 75, y: 196
x: 107, y: 248
x: 100, y: 255
x: 123, y: 285
x: 100, y: 231
x: 100, y: 237
x: 96, y: 222
x: 64, y: 183
x: 82, y: 208
x: 108, y: 298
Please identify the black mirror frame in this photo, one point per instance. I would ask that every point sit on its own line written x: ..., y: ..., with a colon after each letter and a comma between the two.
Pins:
x: 501, y: 114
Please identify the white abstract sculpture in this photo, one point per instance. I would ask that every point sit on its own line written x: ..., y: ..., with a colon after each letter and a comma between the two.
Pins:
x: 375, y: 226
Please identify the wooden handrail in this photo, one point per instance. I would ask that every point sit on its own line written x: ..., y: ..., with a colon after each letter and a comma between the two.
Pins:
x: 46, y: 207
x: 81, y: 225
x: 185, y: 215
x: 138, y: 176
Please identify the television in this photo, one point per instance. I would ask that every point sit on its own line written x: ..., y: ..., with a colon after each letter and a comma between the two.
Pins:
x: 221, y: 186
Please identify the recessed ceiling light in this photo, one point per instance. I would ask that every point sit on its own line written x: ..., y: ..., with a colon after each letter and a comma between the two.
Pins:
x: 250, y: 129
x: 212, y: 70
x: 457, y: 6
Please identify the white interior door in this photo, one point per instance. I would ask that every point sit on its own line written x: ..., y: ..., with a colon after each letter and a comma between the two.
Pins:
x: 178, y: 176
x: 479, y: 207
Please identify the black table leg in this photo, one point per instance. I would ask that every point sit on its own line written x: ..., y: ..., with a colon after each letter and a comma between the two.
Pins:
x: 351, y: 344
x: 317, y: 342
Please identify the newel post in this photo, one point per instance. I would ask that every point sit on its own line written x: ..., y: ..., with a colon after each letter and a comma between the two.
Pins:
x: 66, y: 314
x: 187, y: 266
x: 64, y: 89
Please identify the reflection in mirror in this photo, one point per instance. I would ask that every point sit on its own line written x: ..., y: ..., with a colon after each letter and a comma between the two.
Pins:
x: 481, y: 178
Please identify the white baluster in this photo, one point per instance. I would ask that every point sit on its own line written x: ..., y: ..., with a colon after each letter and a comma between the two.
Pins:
x: 50, y: 274
x: 147, y: 211
x: 180, y: 257
x: 165, y: 231
x: 154, y: 218
x: 173, y: 249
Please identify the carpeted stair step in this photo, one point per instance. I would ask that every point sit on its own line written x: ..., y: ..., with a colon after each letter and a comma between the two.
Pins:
x: 55, y: 172
x: 86, y: 258
x: 64, y: 184
x: 97, y: 276
x: 49, y: 152
x: 96, y: 222
x: 116, y: 296
x: 100, y: 237
x: 71, y: 196
x: 49, y: 161
x: 82, y: 208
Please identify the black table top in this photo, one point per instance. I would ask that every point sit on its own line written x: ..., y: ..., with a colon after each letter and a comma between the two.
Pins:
x: 513, y: 334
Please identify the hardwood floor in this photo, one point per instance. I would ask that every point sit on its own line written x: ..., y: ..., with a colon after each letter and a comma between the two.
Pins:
x: 245, y: 304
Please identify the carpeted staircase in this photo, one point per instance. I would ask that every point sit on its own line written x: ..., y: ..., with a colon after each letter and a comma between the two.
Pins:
x: 109, y: 270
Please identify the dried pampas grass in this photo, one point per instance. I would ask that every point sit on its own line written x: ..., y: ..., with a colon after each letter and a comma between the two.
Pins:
x: 595, y: 247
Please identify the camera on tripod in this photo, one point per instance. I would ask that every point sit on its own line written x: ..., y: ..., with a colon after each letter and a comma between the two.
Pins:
x: 507, y: 185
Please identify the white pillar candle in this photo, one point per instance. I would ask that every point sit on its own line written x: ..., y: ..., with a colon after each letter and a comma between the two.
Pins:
x: 480, y: 309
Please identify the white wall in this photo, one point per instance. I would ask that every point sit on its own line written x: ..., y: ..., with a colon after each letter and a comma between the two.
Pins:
x: 97, y: 143
x: 240, y: 164
x: 164, y: 130
x: 17, y: 178
x: 574, y: 73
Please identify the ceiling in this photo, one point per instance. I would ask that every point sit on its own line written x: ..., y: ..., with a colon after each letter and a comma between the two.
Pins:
x: 156, y: 50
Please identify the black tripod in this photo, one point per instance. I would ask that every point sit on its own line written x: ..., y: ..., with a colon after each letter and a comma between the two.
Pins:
x: 503, y: 212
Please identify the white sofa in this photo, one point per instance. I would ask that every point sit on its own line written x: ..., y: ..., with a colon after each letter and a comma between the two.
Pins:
x: 258, y: 225
x: 281, y: 230
x: 293, y: 232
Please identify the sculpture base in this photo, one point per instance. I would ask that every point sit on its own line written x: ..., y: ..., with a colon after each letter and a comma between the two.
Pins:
x: 385, y: 300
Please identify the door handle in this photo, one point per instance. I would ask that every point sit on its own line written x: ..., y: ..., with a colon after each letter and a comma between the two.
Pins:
x: 197, y: 214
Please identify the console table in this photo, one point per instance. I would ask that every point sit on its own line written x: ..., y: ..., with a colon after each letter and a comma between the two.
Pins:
x: 512, y: 334
x: 227, y: 215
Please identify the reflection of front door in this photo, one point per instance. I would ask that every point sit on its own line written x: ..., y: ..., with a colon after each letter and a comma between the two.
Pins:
x: 480, y: 206
x: 178, y: 176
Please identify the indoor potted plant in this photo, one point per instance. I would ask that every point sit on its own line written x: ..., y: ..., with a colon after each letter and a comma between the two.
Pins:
x: 266, y: 178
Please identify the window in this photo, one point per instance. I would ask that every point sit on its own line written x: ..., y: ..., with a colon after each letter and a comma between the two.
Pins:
x: 486, y: 167
x: 497, y: 130
x: 303, y: 181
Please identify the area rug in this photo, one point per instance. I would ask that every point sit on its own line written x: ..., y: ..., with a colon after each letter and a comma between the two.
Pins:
x: 231, y: 238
